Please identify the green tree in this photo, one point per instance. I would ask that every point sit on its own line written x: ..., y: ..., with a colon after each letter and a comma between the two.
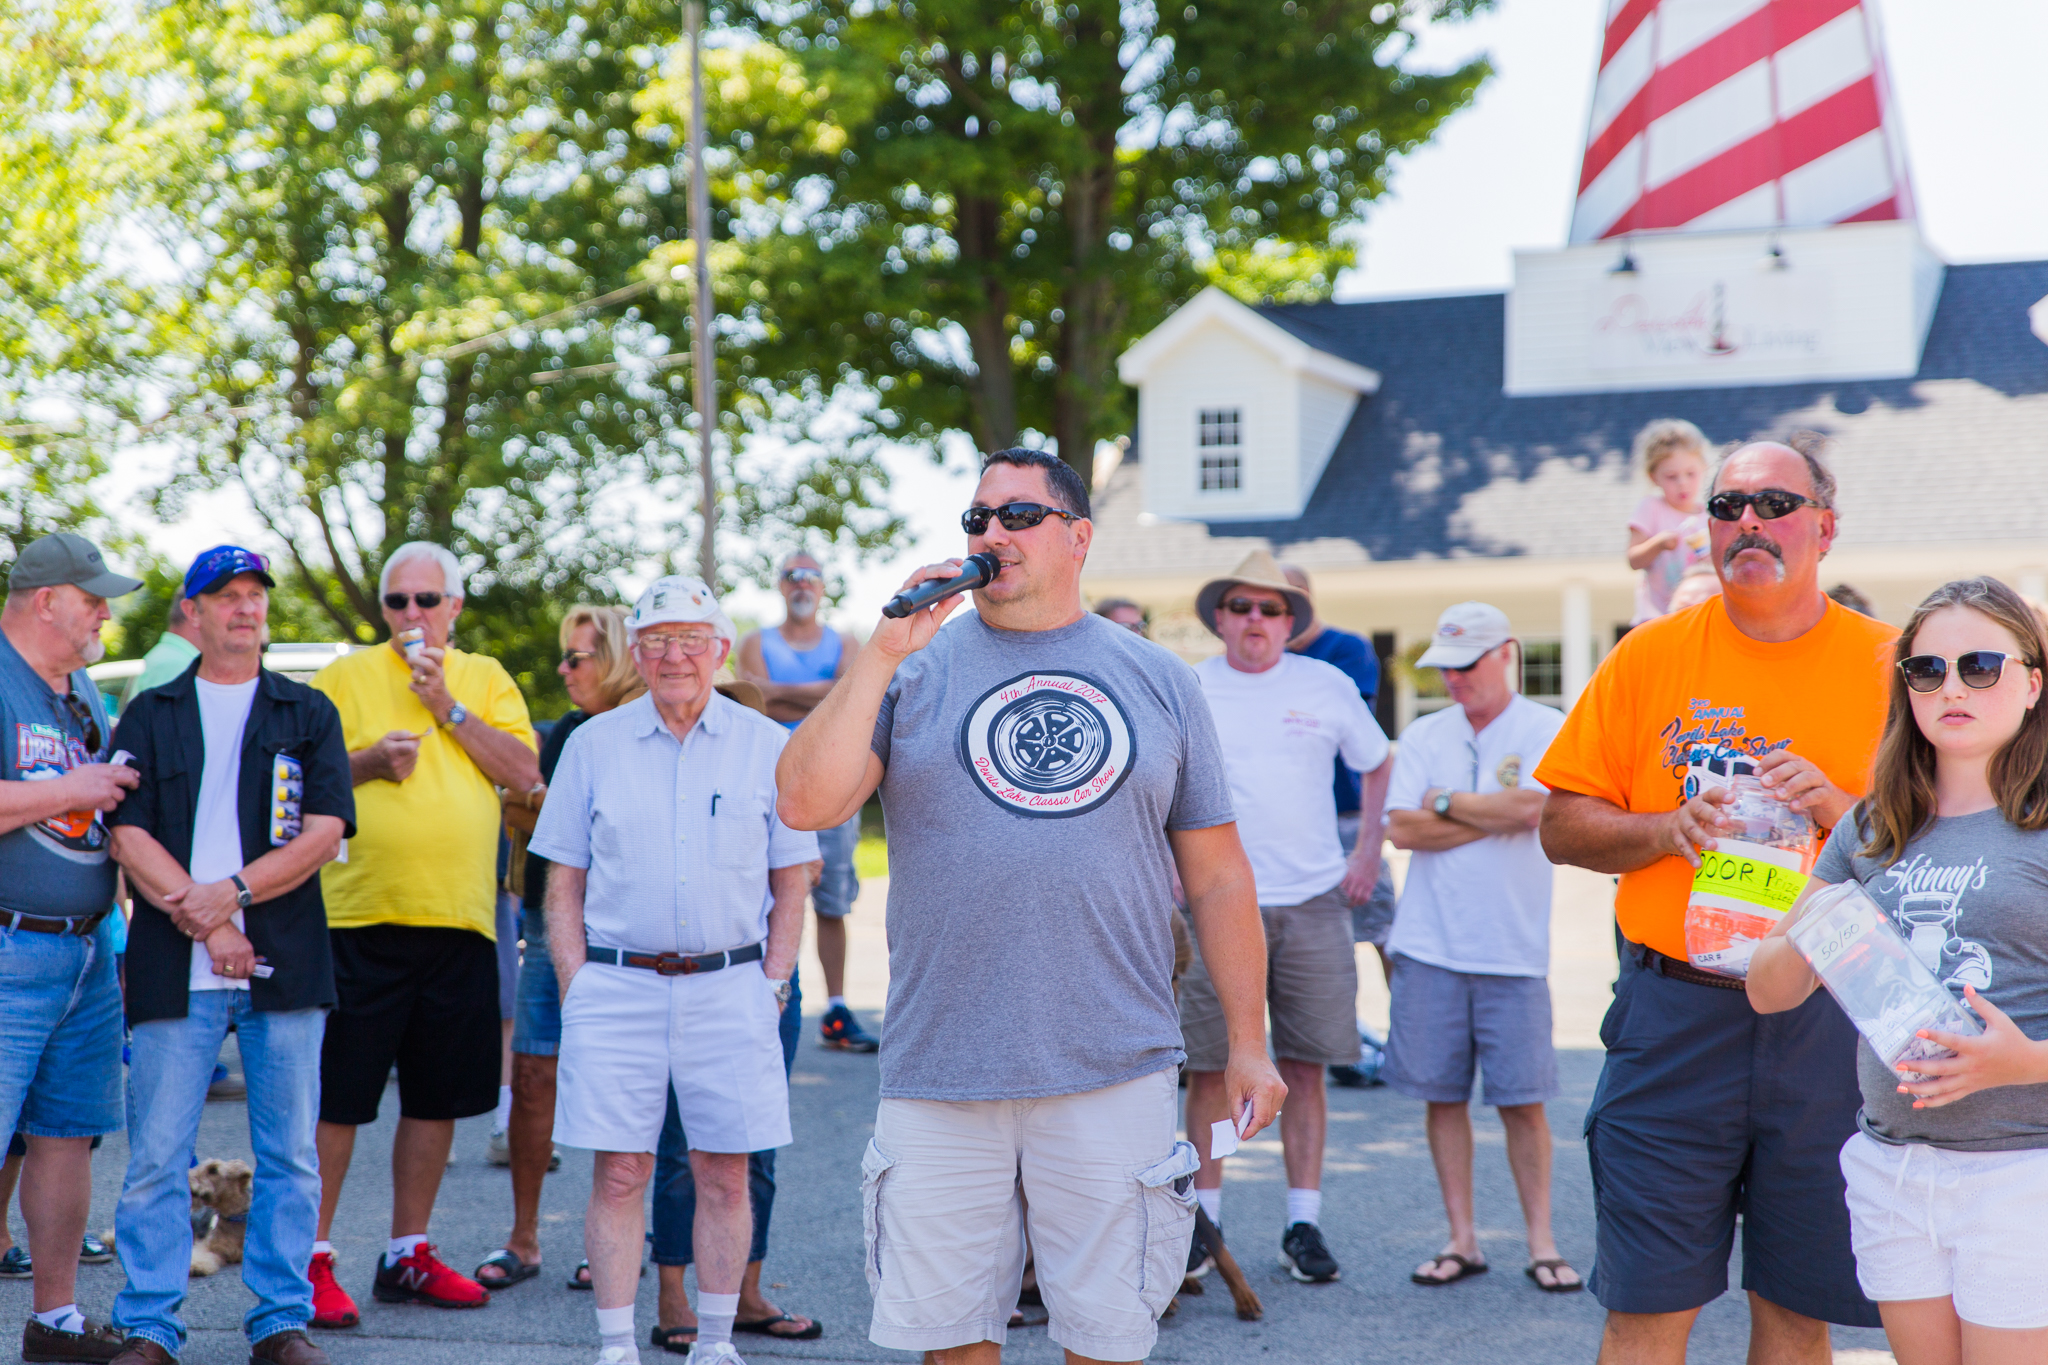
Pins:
x: 975, y: 207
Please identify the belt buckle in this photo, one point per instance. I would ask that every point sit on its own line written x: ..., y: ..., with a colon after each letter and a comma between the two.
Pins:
x: 674, y: 964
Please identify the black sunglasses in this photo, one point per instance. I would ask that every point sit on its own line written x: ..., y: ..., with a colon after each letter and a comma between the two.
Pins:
x: 1015, y: 516
x: 1770, y: 504
x: 427, y: 600
x: 1980, y: 668
x: 82, y: 713
x: 572, y: 657
x: 1244, y: 606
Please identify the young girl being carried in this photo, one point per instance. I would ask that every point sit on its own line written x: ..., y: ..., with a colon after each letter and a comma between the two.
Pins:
x: 1667, y: 533
x: 1948, y: 1176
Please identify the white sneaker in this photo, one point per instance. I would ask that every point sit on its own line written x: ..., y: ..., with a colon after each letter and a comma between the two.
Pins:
x: 721, y: 1354
x: 619, y: 1355
x: 499, y: 1150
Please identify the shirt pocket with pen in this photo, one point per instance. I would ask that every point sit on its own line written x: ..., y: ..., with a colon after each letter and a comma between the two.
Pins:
x: 739, y: 831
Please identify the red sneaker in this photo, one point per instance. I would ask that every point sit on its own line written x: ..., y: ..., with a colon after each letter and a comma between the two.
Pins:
x: 332, y: 1307
x: 423, y: 1278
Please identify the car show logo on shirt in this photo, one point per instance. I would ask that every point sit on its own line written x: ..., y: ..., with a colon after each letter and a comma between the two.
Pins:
x: 1300, y: 723
x: 1047, y: 745
x: 1509, y: 773
x: 43, y: 752
x: 1710, y: 744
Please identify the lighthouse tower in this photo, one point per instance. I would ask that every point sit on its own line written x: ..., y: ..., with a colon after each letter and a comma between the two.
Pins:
x: 1743, y: 214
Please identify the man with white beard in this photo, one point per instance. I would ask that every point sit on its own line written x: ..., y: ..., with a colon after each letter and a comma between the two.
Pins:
x: 795, y: 665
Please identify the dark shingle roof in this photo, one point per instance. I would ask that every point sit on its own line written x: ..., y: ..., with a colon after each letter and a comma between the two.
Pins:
x: 1440, y: 463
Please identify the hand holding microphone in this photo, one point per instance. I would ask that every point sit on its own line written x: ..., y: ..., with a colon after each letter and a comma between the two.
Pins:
x: 977, y: 570
x: 906, y: 626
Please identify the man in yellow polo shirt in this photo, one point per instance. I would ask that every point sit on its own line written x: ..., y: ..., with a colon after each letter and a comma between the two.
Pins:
x: 411, y: 912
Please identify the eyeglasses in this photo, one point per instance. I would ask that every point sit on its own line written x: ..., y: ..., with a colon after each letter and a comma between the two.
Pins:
x: 82, y: 713
x: 427, y: 600
x: 1015, y: 516
x: 1770, y: 504
x: 802, y: 576
x: 1244, y: 606
x: 574, y: 658
x: 1979, y: 669
x: 652, y: 647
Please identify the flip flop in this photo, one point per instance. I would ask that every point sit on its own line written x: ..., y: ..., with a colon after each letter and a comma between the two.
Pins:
x: 675, y: 1340
x: 1466, y: 1267
x: 510, y: 1268
x: 579, y: 1278
x: 765, y: 1327
x: 1556, y: 1285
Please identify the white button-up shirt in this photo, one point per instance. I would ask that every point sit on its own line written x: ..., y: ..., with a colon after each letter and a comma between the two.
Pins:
x: 678, y: 837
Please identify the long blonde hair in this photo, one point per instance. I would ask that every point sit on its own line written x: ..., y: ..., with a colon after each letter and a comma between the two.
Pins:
x: 1901, y: 800
x: 618, y: 682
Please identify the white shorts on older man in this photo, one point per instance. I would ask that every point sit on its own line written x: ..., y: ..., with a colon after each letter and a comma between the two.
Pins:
x: 628, y: 1033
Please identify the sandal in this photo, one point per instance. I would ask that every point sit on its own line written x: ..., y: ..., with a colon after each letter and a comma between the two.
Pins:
x: 675, y: 1340
x: 1466, y: 1268
x: 511, y: 1270
x: 579, y: 1278
x: 1557, y: 1284
x: 766, y: 1327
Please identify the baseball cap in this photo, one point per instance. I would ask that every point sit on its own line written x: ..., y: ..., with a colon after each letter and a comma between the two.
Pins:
x: 678, y: 599
x: 63, y: 557
x: 215, y: 567
x: 1463, y: 633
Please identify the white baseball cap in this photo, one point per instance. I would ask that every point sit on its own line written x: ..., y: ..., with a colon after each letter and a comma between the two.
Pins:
x: 676, y: 599
x: 1463, y: 633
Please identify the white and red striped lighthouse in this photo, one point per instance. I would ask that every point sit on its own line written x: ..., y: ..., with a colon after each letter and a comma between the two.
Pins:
x: 1729, y: 114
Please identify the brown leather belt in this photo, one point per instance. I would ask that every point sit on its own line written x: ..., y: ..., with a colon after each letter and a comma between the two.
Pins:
x: 1680, y: 970
x: 674, y: 964
x: 82, y: 925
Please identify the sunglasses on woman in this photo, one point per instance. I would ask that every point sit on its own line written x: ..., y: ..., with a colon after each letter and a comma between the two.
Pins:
x: 1015, y: 516
x: 427, y: 600
x: 1770, y: 504
x: 1244, y: 606
x: 574, y: 658
x: 1979, y: 669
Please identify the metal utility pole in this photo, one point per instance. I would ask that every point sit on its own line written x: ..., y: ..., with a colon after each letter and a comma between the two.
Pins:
x: 700, y: 303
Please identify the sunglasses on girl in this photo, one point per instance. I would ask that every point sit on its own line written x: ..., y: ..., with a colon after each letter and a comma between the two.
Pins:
x: 1244, y: 606
x: 1770, y: 504
x: 1979, y: 669
x: 427, y: 600
x: 1015, y: 516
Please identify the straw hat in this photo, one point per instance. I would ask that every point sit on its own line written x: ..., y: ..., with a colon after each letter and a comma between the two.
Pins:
x: 1259, y: 570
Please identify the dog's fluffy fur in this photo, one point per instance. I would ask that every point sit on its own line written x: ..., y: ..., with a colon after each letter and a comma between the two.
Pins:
x: 220, y: 1200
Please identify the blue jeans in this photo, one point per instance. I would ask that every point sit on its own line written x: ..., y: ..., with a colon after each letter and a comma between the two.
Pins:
x: 675, y: 1188
x: 60, y: 1034
x: 173, y: 1058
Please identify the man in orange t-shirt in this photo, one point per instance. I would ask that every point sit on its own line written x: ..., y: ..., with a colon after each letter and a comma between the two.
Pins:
x: 1706, y: 1109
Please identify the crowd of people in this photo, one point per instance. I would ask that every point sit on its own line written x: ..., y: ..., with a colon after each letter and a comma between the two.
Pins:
x: 323, y: 870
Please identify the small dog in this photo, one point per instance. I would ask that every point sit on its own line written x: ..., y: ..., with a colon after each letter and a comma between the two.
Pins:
x: 1249, y: 1309
x: 220, y: 1201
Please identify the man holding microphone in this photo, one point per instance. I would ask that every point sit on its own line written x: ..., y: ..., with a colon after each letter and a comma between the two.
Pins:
x: 1065, y: 769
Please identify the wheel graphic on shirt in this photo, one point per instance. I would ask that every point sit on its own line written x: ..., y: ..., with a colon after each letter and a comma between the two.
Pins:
x: 1047, y: 745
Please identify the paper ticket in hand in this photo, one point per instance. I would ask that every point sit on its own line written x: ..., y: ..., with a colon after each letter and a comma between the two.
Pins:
x: 1222, y: 1139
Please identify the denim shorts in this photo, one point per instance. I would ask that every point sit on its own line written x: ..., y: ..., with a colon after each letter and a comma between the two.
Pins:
x: 60, y: 1034
x: 507, y: 929
x: 537, y: 1013
x: 840, y: 887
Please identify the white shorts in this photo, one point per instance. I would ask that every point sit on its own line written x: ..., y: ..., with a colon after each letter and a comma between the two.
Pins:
x: 949, y: 1189
x: 627, y: 1034
x: 1928, y: 1223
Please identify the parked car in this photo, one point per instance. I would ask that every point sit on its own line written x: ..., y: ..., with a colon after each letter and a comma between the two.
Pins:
x: 115, y: 678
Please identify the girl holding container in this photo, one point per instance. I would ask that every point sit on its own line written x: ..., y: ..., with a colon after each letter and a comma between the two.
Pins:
x: 1948, y: 1173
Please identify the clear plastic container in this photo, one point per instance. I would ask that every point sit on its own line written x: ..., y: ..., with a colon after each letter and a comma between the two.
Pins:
x: 1881, y: 984
x: 1746, y: 884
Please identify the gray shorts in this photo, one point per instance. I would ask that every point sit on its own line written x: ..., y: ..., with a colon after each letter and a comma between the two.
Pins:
x: 835, y: 893
x: 1373, y: 921
x: 1444, y: 1024
x: 1311, y: 990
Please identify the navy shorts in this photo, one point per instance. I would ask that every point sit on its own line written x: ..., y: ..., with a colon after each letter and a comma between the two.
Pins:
x: 1705, y: 1110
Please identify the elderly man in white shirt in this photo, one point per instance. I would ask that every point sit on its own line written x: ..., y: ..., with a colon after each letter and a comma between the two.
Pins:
x: 674, y: 908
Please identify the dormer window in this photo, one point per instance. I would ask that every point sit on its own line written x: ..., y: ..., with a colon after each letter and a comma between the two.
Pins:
x: 1219, y: 442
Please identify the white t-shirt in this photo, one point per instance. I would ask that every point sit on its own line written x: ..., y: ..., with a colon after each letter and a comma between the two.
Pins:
x: 1280, y: 730
x: 1483, y: 907
x: 217, y: 830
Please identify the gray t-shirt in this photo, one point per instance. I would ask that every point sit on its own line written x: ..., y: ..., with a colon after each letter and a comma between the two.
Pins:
x: 57, y: 867
x: 1031, y: 779
x: 1971, y: 897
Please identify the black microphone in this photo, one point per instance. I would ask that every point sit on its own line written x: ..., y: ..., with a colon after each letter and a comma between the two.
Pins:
x: 975, y: 571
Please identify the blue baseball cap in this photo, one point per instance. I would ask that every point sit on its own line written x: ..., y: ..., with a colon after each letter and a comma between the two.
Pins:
x: 221, y: 563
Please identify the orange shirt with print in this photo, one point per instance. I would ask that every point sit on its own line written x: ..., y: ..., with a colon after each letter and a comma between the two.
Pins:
x: 1689, y: 687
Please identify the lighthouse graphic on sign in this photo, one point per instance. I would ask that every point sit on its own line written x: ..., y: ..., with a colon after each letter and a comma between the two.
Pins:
x: 1711, y: 115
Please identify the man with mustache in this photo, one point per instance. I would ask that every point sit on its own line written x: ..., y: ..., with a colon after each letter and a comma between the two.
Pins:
x: 795, y: 664
x: 1706, y: 1109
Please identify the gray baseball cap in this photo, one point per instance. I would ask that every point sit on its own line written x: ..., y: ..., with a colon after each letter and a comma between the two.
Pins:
x: 67, y: 558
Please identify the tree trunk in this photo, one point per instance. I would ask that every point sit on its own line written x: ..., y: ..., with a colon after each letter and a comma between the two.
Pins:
x: 993, y: 395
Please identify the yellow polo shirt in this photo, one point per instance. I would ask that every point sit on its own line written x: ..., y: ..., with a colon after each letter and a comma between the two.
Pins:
x: 426, y: 849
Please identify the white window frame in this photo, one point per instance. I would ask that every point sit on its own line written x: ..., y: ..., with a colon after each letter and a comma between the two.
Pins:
x: 1219, y: 458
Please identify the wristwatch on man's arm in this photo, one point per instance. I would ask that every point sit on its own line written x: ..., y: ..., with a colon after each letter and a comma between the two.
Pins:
x: 457, y: 714
x: 243, y: 898
x: 1442, y: 804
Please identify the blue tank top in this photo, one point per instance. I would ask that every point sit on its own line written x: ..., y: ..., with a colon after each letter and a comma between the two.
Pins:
x: 786, y: 665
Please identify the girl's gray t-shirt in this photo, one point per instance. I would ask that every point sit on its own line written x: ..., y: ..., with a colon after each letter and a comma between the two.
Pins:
x: 1030, y: 780
x: 1970, y: 895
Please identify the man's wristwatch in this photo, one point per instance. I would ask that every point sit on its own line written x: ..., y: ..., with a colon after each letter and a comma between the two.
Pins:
x: 782, y: 991
x: 457, y: 714
x: 242, y: 897
x: 1442, y: 804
